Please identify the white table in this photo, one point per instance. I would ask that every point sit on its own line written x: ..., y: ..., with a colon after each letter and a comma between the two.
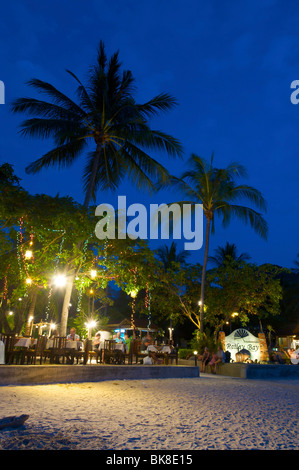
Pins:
x: 25, y: 342
x: 69, y: 344
x: 2, y: 353
x: 74, y: 344
x: 164, y: 349
x: 118, y: 346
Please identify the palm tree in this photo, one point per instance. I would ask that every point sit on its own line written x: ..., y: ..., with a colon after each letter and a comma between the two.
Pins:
x: 107, y: 118
x: 227, y: 253
x: 217, y: 191
x: 170, y: 255
x: 296, y: 263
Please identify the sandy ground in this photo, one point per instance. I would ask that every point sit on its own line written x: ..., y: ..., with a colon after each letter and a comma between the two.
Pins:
x: 210, y: 412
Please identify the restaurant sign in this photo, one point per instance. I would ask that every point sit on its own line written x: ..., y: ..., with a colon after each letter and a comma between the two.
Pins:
x: 241, y: 339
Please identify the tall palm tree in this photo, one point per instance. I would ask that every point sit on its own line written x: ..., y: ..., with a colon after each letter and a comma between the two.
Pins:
x: 216, y: 189
x: 106, y: 118
x: 226, y: 253
x: 170, y: 255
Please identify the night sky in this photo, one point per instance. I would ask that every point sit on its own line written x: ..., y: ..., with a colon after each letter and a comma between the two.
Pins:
x: 229, y: 65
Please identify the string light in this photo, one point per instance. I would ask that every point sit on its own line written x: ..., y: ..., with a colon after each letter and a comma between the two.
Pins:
x: 148, y: 305
x: 133, y: 294
x: 5, y: 288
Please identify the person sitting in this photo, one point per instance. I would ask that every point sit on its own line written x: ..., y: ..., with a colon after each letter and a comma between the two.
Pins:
x: 97, y: 346
x: 54, y: 334
x: 217, y: 358
x: 72, y: 336
x: 204, y: 359
x: 227, y: 355
x: 146, y: 341
x: 118, y: 338
x: 96, y: 341
x: 127, y: 342
x: 212, y: 363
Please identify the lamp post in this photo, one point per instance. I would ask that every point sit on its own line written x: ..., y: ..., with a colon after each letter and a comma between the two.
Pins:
x: 90, y: 325
x: 60, y: 280
x: 170, y: 333
x: 195, y: 357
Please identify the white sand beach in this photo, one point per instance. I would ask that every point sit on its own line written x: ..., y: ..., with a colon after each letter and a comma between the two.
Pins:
x: 210, y: 412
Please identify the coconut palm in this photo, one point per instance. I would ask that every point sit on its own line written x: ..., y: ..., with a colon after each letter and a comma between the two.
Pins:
x: 105, y: 117
x: 216, y: 189
x: 106, y: 124
x: 227, y: 253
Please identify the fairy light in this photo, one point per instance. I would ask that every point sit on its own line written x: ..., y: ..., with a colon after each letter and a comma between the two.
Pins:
x: 133, y: 294
x: 5, y: 287
x: 148, y: 304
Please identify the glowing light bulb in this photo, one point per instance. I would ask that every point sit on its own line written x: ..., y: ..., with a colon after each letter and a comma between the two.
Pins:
x: 28, y: 254
x: 60, y: 280
x: 134, y: 293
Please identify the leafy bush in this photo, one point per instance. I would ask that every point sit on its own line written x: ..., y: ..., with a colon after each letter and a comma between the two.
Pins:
x: 183, y: 353
x: 202, y: 340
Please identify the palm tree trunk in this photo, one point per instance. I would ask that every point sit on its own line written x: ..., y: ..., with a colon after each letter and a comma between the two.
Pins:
x: 203, y: 276
x: 66, y: 305
x: 70, y: 283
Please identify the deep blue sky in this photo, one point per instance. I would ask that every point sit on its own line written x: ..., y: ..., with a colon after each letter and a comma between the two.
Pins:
x: 229, y: 64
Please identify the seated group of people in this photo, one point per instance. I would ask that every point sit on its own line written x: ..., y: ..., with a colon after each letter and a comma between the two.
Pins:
x: 98, y: 344
x: 211, y: 360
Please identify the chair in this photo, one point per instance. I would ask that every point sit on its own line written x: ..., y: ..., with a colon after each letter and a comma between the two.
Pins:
x: 11, y: 352
x: 109, y: 346
x: 111, y: 355
x: 33, y: 353
x: 128, y: 354
x: 135, y: 351
x: 95, y: 353
x: 80, y: 354
x: 57, y: 351
x: 172, y: 356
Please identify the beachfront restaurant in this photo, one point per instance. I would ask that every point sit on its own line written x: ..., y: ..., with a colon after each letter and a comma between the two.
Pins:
x: 141, y: 327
